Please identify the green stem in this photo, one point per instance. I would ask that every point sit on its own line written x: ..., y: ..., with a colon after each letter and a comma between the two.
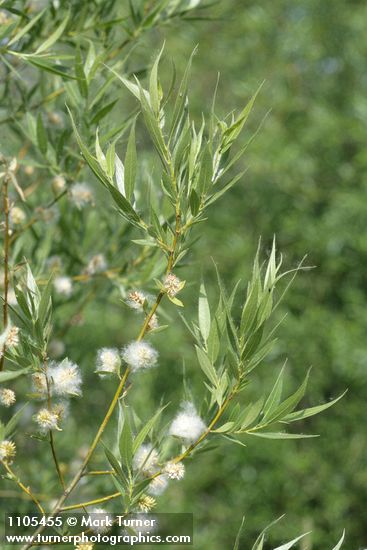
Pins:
x: 178, y: 458
x: 25, y: 489
x: 90, y: 502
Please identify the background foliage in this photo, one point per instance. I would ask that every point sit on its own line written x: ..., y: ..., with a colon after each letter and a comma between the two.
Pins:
x: 305, y: 183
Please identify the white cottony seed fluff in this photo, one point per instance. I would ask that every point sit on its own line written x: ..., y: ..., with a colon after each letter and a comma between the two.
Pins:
x: 187, y: 425
x: 146, y: 459
x: 108, y: 360
x: 140, y: 355
x: 64, y: 286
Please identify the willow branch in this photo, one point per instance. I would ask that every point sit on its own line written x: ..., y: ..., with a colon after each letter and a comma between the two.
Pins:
x: 25, y: 489
x: 51, y: 437
x: 221, y: 410
x: 90, y: 502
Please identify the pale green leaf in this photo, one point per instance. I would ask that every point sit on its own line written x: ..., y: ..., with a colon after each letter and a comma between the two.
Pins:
x: 130, y: 164
x: 5, y: 376
x: 306, y: 413
x: 289, y: 545
x: 204, y: 313
x: 53, y: 37
x: 153, y: 85
x: 25, y: 29
x: 340, y: 543
x: 281, y: 435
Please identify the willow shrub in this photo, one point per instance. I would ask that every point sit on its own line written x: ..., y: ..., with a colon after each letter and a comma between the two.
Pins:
x: 64, y: 70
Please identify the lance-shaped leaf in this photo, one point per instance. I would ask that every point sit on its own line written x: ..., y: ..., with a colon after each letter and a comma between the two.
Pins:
x: 27, y: 28
x: 120, y: 175
x: 113, y: 460
x: 339, y: 545
x: 207, y: 366
x: 49, y: 67
x: 130, y: 164
x: 123, y: 204
x: 291, y: 543
x: 7, y: 375
x: 146, y: 429
x: 231, y: 134
x: 282, y: 435
x: 311, y: 411
x: 90, y: 159
x: 79, y: 71
x: 41, y: 135
x: 54, y: 36
x: 274, y: 398
x: 238, y: 537
x: 153, y: 127
x: 279, y: 412
x: 126, y: 439
x: 12, y: 424
x: 181, y: 97
x: 204, y: 313
x: 154, y: 86
x: 261, y: 538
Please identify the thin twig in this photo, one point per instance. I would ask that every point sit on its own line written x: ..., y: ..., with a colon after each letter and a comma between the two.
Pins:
x: 90, y: 502
x: 54, y: 456
x: 178, y: 458
x: 51, y: 437
x: 99, y: 473
x: 22, y: 486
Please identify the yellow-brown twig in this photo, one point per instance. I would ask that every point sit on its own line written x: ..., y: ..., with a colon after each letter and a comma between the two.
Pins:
x: 25, y: 489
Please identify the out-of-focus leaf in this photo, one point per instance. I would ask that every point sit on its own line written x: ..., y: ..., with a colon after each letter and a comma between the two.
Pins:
x: 289, y: 545
x: 238, y: 537
x: 27, y: 27
x: 153, y: 85
x: 11, y: 425
x: 41, y: 135
x: 130, y: 164
x: 54, y: 36
x: 204, y: 313
x: 5, y: 376
x: 282, y: 435
x: 145, y: 430
x: 340, y: 543
x: 49, y: 67
x: 79, y: 71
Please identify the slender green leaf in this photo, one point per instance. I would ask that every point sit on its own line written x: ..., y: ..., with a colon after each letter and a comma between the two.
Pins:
x: 238, y: 537
x: 53, y: 37
x: 153, y: 85
x: 126, y: 441
x: 306, y: 413
x: 207, y: 366
x: 79, y: 71
x: 25, y: 29
x: 41, y: 135
x: 5, y: 376
x: 339, y: 545
x: 289, y: 404
x: 204, y: 313
x: 49, y: 67
x: 130, y: 164
x: 289, y: 545
x: 275, y: 395
x: 146, y: 429
x: 11, y: 425
x: 281, y: 435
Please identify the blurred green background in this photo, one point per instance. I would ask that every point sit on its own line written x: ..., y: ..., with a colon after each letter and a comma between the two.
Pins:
x: 307, y: 184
